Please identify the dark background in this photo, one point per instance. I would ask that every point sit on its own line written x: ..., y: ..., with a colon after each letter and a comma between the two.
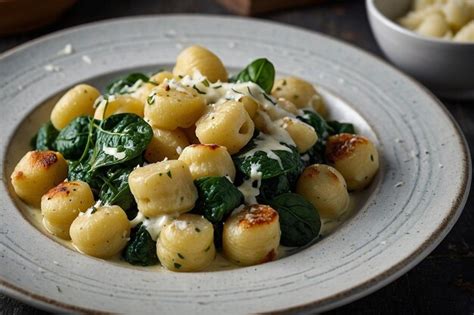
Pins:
x: 443, y: 283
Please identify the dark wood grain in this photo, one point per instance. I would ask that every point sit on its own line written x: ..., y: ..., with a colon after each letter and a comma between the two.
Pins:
x: 443, y: 283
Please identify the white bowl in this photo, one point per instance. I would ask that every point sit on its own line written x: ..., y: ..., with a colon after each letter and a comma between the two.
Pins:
x: 446, y: 67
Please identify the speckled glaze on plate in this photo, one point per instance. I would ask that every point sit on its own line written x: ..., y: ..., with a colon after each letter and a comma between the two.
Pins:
x: 416, y: 198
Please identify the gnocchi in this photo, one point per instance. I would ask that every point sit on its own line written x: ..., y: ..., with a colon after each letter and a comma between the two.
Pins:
x: 208, y: 160
x: 299, y: 92
x: 355, y: 157
x: 252, y: 235
x: 448, y: 19
x: 302, y: 134
x: 101, y: 232
x: 325, y: 188
x: 169, y: 109
x: 76, y: 102
x: 166, y: 144
x: 178, y: 168
x: 227, y: 124
x: 36, y: 173
x: 63, y: 203
x: 197, y: 58
x: 144, y: 90
x: 118, y: 105
x: 187, y: 244
x: 163, y: 188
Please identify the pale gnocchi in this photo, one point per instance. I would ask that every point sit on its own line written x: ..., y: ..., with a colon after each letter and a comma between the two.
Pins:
x: 208, y: 160
x: 448, y: 19
x: 187, y: 244
x: 179, y: 167
x: 101, y: 232
x: 63, y: 203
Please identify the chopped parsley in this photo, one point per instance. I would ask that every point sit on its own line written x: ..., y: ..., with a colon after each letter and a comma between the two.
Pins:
x: 268, y: 98
x: 198, y: 90
x: 235, y: 91
x: 151, y: 99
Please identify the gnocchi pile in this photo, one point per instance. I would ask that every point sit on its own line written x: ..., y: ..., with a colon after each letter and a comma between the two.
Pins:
x: 176, y: 167
x: 448, y: 19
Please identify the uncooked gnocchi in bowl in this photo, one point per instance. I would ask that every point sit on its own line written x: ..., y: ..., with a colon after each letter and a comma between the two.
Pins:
x: 448, y: 19
x: 179, y: 167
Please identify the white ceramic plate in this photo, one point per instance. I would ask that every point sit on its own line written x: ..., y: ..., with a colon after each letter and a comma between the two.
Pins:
x: 417, y: 197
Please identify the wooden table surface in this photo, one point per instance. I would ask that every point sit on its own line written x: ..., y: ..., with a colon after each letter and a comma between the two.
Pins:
x: 443, y: 283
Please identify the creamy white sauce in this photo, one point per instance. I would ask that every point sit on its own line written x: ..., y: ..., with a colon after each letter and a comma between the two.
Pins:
x: 114, y: 152
x: 89, y: 211
x: 156, y: 224
x: 219, y: 92
x: 267, y: 144
x: 247, y: 188
x: 133, y: 88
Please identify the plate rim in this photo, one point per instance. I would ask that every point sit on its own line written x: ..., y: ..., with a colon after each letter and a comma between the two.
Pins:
x: 336, y: 300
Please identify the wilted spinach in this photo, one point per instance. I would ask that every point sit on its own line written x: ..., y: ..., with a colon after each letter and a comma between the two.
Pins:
x: 120, y: 138
x: 269, y: 188
x: 72, y: 140
x: 299, y: 220
x: 118, y: 144
x: 141, y: 250
x: 260, y: 71
x: 217, y: 198
x: 340, y: 127
x: 123, y: 85
x: 45, y: 137
x: 290, y: 162
x: 115, y: 189
x: 324, y: 129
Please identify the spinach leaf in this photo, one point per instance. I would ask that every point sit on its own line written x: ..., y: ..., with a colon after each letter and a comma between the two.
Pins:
x: 299, y: 220
x: 120, y: 138
x: 123, y: 85
x: 323, y: 129
x: 260, y: 71
x: 316, y: 153
x: 45, y: 137
x: 141, y: 250
x: 340, y: 127
x: 217, y: 198
x: 72, y: 140
x: 33, y: 141
x: 269, y: 167
x: 78, y: 170
x: 269, y: 188
x: 118, y: 141
x: 115, y: 189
